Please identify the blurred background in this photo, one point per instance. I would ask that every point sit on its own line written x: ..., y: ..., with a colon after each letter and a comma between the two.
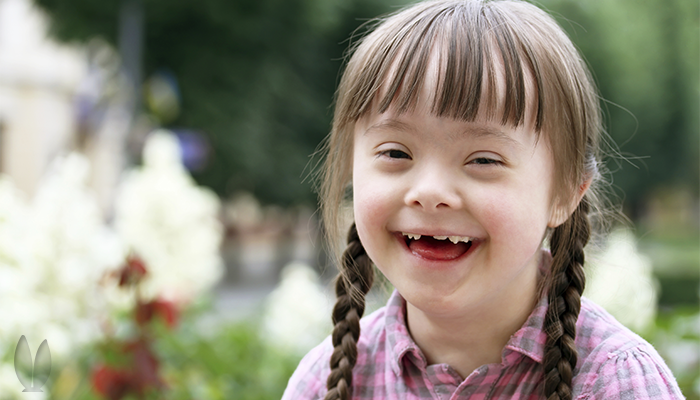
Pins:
x: 158, y: 221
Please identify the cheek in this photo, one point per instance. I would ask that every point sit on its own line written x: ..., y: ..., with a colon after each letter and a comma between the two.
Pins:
x: 517, y: 215
x: 368, y: 202
x: 501, y: 215
x: 370, y: 213
x: 365, y: 210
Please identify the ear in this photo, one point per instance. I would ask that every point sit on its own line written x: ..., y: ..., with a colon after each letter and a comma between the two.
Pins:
x: 562, y: 212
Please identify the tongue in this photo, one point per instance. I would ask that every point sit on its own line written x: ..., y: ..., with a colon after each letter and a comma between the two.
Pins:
x: 433, y: 249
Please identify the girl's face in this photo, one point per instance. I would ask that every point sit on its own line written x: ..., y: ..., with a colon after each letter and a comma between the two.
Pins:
x: 484, y: 185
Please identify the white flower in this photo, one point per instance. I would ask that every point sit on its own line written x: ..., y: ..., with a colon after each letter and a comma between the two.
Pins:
x: 71, y: 249
x: 18, y: 274
x: 53, y: 252
x: 17, y: 282
x: 170, y: 223
x: 297, y: 312
x: 620, y: 279
x: 70, y: 239
x: 14, y: 214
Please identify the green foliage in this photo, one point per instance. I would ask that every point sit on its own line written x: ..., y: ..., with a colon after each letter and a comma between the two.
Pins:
x: 162, y: 350
x: 257, y: 77
x: 229, y: 362
x: 676, y: 337
x: 232, y: 363
x: 644, y: 55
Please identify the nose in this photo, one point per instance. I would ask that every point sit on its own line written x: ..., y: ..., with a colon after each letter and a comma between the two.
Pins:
x: 433, y: 189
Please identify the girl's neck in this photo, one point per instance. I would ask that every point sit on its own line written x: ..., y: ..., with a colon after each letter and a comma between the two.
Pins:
x: 478, y: 336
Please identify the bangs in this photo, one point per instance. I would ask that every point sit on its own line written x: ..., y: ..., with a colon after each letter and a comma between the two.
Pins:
x: 482, y: 65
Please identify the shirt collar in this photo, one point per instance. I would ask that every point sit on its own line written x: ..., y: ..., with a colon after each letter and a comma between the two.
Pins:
x: 399, y: 341
x: 529, y: 340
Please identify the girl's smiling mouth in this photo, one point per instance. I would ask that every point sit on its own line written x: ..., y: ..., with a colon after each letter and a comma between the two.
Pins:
x: 437, y: 248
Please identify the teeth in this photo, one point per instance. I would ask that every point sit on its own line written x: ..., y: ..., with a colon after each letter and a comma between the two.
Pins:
x: 453, y: 239
x: 457, y: 239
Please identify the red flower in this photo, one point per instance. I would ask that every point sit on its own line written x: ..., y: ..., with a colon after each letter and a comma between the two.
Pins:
x: 111, y: 383
x: 165, y: 309
x: 168, y: 311
x: 132, y: 271
x: 144, y: 313
x: 145, y: 366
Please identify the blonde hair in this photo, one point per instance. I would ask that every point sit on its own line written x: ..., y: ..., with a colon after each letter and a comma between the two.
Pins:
x: 477, y: 43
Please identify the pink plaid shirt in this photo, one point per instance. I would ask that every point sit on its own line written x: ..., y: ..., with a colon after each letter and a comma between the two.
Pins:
x: 613, y: 363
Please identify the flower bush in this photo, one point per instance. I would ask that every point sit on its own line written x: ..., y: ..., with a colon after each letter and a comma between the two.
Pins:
x: 129, y: 365
x: 173, y: 224
x: 167, y: 355
x: 296, y: 316
x: 53, y: 251
x: 58, y: 259
x: 621, y: 280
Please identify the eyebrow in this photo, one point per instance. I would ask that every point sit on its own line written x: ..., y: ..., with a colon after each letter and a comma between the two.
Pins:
x: 495, y: 133
x: 480, y: 132
x: 390, y: 124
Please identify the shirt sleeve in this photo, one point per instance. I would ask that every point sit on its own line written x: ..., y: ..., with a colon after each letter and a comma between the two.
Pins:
x: 308, y: 382
x: 634, y: 374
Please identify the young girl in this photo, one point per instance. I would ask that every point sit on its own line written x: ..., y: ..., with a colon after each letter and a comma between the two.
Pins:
x: 468, y: 131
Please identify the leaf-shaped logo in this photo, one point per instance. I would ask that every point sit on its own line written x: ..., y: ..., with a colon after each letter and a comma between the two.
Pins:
x: 23, y: 363
x: 32, y: 376
x: 42, y: 366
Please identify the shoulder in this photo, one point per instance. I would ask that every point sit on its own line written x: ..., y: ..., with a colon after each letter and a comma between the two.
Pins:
x: 597, y: 330
x: 615, y: 363
x: 309, y: 379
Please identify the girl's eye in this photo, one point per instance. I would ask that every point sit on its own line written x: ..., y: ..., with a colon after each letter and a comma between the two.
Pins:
x: 484, y: 161
x: 395, y: 154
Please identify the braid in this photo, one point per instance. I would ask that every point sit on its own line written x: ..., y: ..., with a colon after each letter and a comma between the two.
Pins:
x: 351, y: 286
x: 566, y: 284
